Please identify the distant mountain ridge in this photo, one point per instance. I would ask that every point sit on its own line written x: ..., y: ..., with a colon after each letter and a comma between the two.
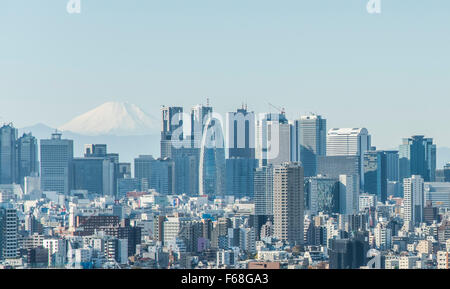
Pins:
x: 113, y: 118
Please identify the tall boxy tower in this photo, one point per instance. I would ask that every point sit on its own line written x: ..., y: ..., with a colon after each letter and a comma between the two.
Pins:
x: 413, y: 200
x: 349, y: 142
x: 288, y: 202
x: 27, y: 155
x: 313, y: 141
x: 417, y: 156
x: 171, y: 121
x: 56, y: 159
x: 8, y: 154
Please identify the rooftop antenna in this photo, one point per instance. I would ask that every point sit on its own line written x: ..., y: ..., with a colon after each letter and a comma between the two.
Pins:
x: 207, y: 101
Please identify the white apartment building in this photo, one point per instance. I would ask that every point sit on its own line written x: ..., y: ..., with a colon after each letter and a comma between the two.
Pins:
x: 413, y: 199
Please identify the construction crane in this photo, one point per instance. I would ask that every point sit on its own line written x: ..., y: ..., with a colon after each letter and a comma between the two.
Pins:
x: 280, y: 109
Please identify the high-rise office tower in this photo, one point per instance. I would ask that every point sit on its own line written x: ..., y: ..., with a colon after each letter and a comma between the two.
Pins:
x: 181, y: 148
x: 56, y: 156
x: 241, y: 161
x: 375, y: 172
x: 417, y: 156
x: 27, y: 155
x: 8, y: 154
x: 392, y: 166
x: 241, y: 134
x: 200, y: 115
x: 94, y: 174
x: 348, y: 194
x: 172, y: 120
x: 313, y: 141
x: 239, y: 176
x: 157, y: 174
x: 263, y: 191
x: 413, y: 199
x: 186, y: 170
x: 349, y: 142
x: 272, y: 139
x: 288, y: 202
x: 212, y: 164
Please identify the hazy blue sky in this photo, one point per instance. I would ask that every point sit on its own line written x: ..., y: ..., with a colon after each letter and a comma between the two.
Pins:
x: 389, y: 72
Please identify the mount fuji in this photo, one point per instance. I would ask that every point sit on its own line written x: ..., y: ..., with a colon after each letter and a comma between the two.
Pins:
x: 113, y: 118
x: 124, y: 127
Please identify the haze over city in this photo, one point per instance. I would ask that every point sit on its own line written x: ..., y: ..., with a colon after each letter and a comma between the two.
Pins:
x: 387, y: 72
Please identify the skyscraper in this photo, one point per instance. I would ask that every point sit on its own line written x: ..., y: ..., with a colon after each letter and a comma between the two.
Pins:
x: 288, y: 202
x: 272, y: 139
x: 200, y: 115
x: 172, y: 120
x: 349, y: 142
x: 212, y: 160
x: 413, y: 199
x: 417, y: 156
x: 392, y: 166
x: 241, y: 134
x: 56, y: 157
x: 157, y: 174
x: 263, y: 191
x: 94, y: 174
x: 313, y: 141
x: 8, y: 154
x: 375, y: 171
x: 27, y: 155
x: 241, y: 161
x: 348, y: 194
x: 239, y: 176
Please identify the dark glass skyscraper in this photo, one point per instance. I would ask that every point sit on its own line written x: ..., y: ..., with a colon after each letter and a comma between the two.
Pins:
x: 375, y: 168
x: 241, y: 134
x: 212, y: 159
x: 239, y: 176
x: 392, y: 166
x: 8, y: 154
x: 157, y: 174
x: 417, y: 156
x: 172, y: 119
x: 94, y: 174
x: 27, y: 155
x: 241, y: 161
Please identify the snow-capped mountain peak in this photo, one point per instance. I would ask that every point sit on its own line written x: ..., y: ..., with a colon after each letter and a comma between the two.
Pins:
x: 113, y: 118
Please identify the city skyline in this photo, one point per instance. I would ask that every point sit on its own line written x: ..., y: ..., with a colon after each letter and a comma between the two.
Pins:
x: 256, y: 134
